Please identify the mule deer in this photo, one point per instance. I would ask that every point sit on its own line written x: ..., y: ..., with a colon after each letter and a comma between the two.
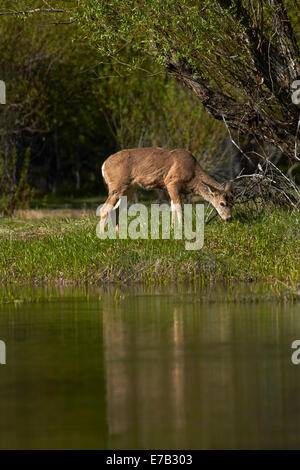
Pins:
x: 176, y: 171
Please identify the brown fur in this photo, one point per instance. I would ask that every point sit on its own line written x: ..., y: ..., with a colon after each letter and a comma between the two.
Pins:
x: 177, y: 171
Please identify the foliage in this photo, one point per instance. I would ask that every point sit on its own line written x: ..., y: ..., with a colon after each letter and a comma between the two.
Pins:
x: 46, y: 86
x: 240, y: 58
x: 72, y: 112
x: 15, y: 190
x: 144, y: 110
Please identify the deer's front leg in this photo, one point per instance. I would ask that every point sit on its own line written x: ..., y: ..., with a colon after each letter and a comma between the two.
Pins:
x: 106, y: 209
x: 175, y: 203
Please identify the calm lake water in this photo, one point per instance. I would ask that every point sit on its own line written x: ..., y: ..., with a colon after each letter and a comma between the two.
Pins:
x: 157, y: 369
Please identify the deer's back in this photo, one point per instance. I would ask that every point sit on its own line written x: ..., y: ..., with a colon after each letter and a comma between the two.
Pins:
x: 150, y: 167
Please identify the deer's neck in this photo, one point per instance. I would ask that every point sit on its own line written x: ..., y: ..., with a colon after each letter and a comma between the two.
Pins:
x: 206, y: 186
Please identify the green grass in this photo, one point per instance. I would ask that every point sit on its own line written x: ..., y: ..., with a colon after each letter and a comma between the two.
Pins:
x: 67, y: 251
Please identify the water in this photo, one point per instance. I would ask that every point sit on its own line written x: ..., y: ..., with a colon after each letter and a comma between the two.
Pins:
x: 148, y: 370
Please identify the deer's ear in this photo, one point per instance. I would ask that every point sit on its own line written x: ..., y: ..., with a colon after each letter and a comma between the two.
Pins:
x: 228, y: 187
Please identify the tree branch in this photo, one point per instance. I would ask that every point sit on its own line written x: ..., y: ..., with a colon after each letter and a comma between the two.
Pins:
x: 247, y: 117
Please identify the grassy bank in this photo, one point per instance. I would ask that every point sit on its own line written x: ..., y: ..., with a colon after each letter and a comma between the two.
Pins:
x: 67, y: 251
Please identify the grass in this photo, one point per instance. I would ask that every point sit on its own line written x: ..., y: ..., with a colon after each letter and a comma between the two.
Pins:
x: 66, y: 250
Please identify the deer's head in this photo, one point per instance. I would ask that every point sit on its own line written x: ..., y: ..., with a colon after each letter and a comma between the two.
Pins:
x: 222, y: 200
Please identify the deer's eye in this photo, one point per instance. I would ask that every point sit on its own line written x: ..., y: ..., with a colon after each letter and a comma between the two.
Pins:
x: 222, y: 204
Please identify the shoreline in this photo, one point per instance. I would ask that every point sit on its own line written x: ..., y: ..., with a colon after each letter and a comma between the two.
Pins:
x: 216, y: 292
x: 65, y: 251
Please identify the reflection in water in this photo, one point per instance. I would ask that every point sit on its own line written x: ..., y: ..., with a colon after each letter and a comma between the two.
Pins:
x: 52, y: 391
x: 201, y: 376
x: 153, y: 371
